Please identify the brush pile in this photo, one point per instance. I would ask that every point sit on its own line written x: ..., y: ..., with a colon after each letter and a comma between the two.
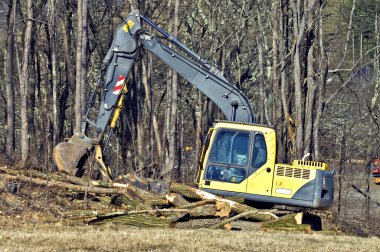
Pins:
x: 130, y: 200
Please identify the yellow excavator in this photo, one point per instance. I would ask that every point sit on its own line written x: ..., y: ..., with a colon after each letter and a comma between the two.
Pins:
x: 238, y: 156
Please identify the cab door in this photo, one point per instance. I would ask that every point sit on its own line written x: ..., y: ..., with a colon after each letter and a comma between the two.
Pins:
x: 228, y: 160
x: 260, y: 171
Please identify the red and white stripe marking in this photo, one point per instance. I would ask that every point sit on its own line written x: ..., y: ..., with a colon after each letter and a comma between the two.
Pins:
x: 119, y: 85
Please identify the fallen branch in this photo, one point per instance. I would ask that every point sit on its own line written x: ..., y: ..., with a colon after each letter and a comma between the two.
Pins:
x: 238, y: 208
x: 79, y: 188
x: 239, y: 216
x: 66, y: 185
x: 100, y: 214
x: 199, y: 203
x: 85, y: 185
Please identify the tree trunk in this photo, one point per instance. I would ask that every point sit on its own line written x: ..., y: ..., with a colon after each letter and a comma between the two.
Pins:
x: 310, y: 100
x: 261, y: 107
x: 146, y: 80
x: 276, y: 82
x: 342, y: 161
x: 376, y: 93
x: 31, y: 100
x: 55, y: 115
x: 24, y: 78
x: 286, y: 91
x: 81, y: 62
x: 147, y: 70
x: 10, y: 80
x: 173, y: 115
x: 298, y: 31
x: 172, y: 92
x: 198, y: 127
x: 323, y: 68
x: 140, y: 82
x: 310, y: 104
x: 66, y: 26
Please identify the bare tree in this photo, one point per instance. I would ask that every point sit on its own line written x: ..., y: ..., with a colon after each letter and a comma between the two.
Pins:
x: 9, y: 78
x: 81, y: 61
x: 276, y: 82
x: 171, y: 113
x: 55, y: 115
x: 24, y: 78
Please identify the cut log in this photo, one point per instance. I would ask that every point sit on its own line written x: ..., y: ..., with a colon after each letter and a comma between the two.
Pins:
x: 60, y: 184
x: 203, y: 211
x: 238, y: 199
x: 147, y: 218
x: 287, y: 223
x: 223, y: 209
x: 298, y: 218
x: 198, y: 203
x: 186, y: 191
x: 196, y: 223
x: 176, y: 200
x: 138, y: 204
x: 128, y: 195
x: 83, y: 181
x: 54, y: 176
x: 137, y: 220
x: 79, y: 214
x: 151, y: 198
x: 229, y: 220
x: 83, y: 185
x: 155, y: 186
x: 238, y: 208
x: 132, y: 201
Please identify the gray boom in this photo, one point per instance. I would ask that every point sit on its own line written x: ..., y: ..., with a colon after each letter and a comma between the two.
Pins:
x: 125, y: 50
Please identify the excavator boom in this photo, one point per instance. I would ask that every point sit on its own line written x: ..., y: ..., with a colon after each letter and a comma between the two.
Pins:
x: 129, y: 40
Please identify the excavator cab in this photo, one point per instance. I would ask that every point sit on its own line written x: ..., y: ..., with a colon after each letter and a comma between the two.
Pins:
x: 239, y: 160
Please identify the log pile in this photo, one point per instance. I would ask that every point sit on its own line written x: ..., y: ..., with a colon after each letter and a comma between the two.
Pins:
x: 140, y: 202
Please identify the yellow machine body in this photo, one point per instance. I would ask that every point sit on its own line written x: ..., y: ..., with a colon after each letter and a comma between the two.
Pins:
x: 225, y: 171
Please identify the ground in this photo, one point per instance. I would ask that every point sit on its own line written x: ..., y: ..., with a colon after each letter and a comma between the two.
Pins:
x: 57, y: 237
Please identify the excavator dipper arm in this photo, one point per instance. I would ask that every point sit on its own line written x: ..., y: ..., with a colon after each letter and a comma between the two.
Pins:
x: 211, y: 82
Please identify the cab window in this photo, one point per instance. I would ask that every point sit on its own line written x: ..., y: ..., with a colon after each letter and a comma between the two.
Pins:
x: 259, y: 157
x: 231, y: 147
x: 229, y: 157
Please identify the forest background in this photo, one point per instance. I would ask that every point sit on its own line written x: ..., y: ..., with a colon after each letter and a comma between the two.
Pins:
x: 310, y: 69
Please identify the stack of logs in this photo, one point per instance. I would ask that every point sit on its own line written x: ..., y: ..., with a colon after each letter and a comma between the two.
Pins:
x: 129, y: 201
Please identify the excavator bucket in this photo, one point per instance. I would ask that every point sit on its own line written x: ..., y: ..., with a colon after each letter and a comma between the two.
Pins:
x: 68, y: 155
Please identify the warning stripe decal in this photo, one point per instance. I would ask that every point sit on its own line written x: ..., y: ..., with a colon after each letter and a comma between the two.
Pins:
x: 119, y: 85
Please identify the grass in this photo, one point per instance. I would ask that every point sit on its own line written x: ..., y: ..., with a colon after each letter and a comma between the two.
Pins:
x: 43, y: 237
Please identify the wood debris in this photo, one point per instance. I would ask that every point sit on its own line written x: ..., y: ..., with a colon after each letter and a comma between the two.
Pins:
x: 129, y: 201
